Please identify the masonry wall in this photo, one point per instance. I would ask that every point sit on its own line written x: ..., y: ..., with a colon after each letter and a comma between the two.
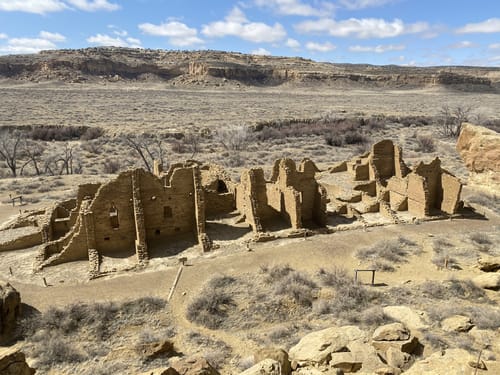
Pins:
x: 452, y: 188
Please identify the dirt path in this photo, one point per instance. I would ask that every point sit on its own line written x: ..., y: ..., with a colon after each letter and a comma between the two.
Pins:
x: 306, y: 255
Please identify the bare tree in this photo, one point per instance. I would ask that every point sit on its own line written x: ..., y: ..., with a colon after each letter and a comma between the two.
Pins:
x: 33, y: 152
x: 10, y: 150
x: 147, y: 148
x: 452, y: 119
x: 63, y: 161
x: 234, y: 138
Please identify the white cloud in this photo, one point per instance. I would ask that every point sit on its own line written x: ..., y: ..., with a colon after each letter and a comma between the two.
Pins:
x: 296, y: 7
x: 94, y: 5
x: 54, y: 37
x: 48, y: 6
x: 110, y: 41
x: 362, y: 28
x: 491, y: 25
x: 462, y: 44
x: 261, y: 51
x: 236, y: 24
x: 292, y: 43
x: 320, y: 47
x: 3, y: 36
x: 494, y: 46
x: 32, y: 6
x: 26, y: 45
x: 361, y: 4
x: 378, y: 49
x: 178, y: 33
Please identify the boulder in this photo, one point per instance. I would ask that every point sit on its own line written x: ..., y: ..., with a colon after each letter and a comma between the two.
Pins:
x: 397, y: 359
x: 317, y: 347
x: 413, y: 319
x: 489, y: 264
x: 157, y: 349
x: 478, y: 147
x: 13, y: 362
x: 266, y: 367
x: 488, y: 280
x: 451, y: 361
x: 278, y: 355
x: 10, y: 308
x: 194, y: 366
x: 345, y: 361
x: 394, y: 335
x: 391, y: 332
x: 456, y: 323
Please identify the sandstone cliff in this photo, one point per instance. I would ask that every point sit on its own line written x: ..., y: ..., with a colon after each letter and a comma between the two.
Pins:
x: 479, y: 148
x: 180, y: 67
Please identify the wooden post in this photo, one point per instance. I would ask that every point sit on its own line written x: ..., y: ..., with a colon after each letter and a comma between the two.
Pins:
x: 172, y: 289
x: 44, y: 281
x: 10, y: 270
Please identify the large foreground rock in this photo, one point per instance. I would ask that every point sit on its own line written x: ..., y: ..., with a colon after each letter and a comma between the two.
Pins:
x: 317, y: 347
x: 13, y: 362
x: 394, y: 336
x: 451, y: 361
x: 489, y: 280
x: 278, y: 355
x: 456, y: 323
x: 194, y: 366
x: 478, y: 147
x: 10, y: 308
x: 413, y: 319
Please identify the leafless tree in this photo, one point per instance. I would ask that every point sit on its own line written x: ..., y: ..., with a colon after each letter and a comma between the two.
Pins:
x: 234, y: 138
x: 63, y: 161
x: 148, y: 148
x: 10, y: 149
x: 452, y: 119
x: 33, y: 152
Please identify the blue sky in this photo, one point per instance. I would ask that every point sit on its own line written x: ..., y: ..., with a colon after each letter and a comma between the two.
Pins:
x: 403, y: 32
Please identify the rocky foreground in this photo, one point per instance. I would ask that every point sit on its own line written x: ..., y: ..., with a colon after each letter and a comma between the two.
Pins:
x: 112, y: 64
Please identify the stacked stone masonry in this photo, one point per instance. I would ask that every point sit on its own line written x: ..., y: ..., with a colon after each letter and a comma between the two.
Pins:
x: 138, y: 210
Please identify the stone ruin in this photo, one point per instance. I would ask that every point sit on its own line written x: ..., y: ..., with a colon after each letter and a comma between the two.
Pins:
x: 139, y: 209
x: 291, y: 195
x: 380, y: 181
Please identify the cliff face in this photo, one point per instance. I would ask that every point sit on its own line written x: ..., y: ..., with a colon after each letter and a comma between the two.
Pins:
x: 138, y: 64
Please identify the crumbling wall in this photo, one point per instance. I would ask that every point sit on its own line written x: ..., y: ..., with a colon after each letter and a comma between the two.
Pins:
x: 291, y: 194
x: 452, y: 188
x: 131, y: 211
x: 382, y: 157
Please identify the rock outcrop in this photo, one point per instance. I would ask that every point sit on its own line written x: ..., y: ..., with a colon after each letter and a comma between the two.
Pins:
x: 478, y: 146
x: 114, y: 64
x: 10, y: 308
x: 13, y: 362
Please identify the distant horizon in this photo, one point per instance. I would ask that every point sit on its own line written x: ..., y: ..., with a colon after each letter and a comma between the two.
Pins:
x: 257, y: 55
x: 368, y: 32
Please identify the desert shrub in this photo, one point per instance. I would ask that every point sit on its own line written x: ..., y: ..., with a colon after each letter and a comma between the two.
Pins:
x: 445, y: 261
x: 354, y: 138
x: 336, y: 277
x: 91, y: 133
x: 462, y: 289
x: 210, y: 307
x: 297, y: 286
x: 56, y: 336
x: 480, y: 238
x: 425, y: 143
x: 491, y: 201
x: 279, y: 333
x: 451, y: 119
x: 246, y: 363
x: 385, y: 253
x: 485, y: 317
x: 334, y: 140
x: 276, y: 272
x: 111, y: 166
x: 234, y: 138
x: 64, y: 133
x: 435, y: 340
